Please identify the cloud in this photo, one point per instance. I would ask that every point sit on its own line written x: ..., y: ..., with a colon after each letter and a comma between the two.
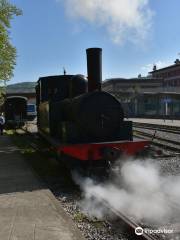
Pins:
x: 124, y: 20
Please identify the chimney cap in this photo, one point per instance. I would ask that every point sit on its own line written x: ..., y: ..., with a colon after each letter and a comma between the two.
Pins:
x: 95, y: 49
x: 177, y: 61
x: 154, y: 67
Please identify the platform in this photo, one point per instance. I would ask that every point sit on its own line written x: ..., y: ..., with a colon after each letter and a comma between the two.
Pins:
x: 166, y: 122
x: 28, y: 211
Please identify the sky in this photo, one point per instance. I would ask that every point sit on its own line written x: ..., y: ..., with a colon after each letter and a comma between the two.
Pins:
x: 134, y: 35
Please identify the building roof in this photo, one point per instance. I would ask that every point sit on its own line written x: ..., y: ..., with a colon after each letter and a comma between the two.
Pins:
x: 23, y: 87
x: 166, y: 68
x: 161, y: 93
x: 132, y: 80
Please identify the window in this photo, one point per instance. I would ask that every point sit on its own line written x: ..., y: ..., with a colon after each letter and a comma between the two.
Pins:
x: 31, y: 108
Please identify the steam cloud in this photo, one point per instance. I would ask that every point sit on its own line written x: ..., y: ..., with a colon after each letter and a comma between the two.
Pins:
x: 123, y: 19
x: 139, y: 191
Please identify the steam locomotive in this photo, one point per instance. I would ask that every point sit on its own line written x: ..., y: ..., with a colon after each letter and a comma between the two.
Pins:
x: 80, y: 120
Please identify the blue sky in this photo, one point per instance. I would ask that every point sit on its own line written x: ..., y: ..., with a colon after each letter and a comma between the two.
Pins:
x: 134, y: 34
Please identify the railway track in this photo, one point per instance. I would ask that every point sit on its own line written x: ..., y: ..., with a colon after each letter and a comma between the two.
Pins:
x: 159, y: 127
x: 140, y: 131
x: 128, y: 224
x: 170, y: 145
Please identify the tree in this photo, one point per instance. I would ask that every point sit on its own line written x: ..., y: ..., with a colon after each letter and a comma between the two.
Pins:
x: 7, y: 51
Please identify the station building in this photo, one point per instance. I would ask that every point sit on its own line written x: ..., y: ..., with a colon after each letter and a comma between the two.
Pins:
x: 25, y: 89
x: 157, y: 95
x: 171, y: 76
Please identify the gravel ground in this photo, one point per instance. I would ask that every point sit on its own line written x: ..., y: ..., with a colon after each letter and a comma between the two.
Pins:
x: 92, y: 228
x: 170, y: 166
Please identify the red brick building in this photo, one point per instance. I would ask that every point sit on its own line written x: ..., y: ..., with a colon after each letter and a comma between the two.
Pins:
x: 171, y: 76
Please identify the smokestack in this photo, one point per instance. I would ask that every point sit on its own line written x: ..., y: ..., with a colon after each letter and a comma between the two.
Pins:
x: 94, y: 68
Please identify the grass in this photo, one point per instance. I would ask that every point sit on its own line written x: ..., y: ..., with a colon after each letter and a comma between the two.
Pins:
x: 79, y: 217
x: 9, y: 132
x: 98, y: 224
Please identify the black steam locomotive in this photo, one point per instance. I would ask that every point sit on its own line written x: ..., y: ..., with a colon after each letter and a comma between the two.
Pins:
x: 82, y: 121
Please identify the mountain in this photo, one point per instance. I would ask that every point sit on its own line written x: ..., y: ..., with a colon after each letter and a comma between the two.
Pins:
x: 23, y: 87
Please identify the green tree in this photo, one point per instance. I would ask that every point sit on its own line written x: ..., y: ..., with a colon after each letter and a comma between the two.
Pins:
x: 7, y: 50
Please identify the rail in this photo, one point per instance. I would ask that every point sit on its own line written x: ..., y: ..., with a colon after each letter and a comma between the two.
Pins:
x: 163, y: 128
x: 169, y: 144
x: 129, y: 225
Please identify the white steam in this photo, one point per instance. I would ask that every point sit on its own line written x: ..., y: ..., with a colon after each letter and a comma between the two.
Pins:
x: 123, y: 19
x: 139, y: 190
